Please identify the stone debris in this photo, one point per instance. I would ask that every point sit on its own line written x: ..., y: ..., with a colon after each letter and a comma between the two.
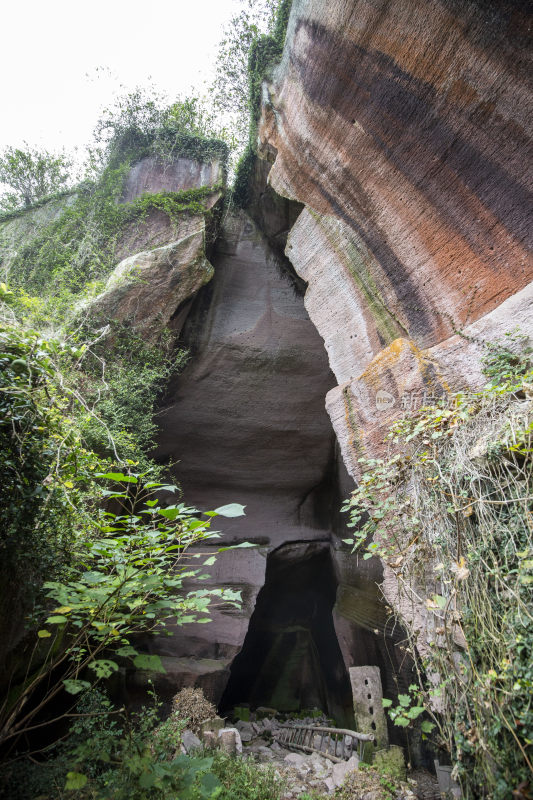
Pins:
x: 306, y: 773
x: 190, y: 741
x: 340, y: 771
x: 230, y: 741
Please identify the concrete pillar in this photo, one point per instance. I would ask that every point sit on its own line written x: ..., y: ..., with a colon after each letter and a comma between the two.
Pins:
x: 368, y: 708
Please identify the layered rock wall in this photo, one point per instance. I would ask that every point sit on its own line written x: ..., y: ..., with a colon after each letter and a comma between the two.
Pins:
x: 404, y: 127
x: 246, y: 422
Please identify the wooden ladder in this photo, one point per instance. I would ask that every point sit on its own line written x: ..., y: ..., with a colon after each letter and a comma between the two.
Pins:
x: 337, y: 744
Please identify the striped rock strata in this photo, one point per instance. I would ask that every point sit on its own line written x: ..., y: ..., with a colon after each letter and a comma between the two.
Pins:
x: 403, y: 127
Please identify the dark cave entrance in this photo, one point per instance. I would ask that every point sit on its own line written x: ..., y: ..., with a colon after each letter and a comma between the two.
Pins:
x: 291, y: 659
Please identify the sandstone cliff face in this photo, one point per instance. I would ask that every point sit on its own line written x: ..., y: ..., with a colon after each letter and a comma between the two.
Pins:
x: 246, y: 420
x: 403, y: 127
x: 397, y: 132
x: 165, y: 262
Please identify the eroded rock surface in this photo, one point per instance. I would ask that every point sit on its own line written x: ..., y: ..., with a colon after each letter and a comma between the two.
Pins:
x: 152, y: 175
x: 146, y: 289
x: 403, y: 127
x: 247, y: 422
x: 164, y: 258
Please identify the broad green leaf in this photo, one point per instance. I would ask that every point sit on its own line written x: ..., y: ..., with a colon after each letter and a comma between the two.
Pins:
x: 415, y: 712
x: 147, y: 780
x: 166, y: 487
x: 404, y: 700
x: 152, y: 663
x: 236, y: 546
x: 427, y: 726
x: 231, y: 510
x: 209, y: 562
x: 74, y: 687
x: 386, y: 703
x: 56, y: 620
x: 75, y: 780
x: 209, y: 783
x: 170, y: 513
x: 93, y: 577
x: 43, y: 634
x: 126, y: 651
x: 103, y: 667
x: 403, y: 722
x: 118, y: 476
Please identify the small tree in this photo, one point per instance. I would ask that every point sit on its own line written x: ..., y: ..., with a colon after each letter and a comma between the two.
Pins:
x: 230, y: 90
x: 31, y: 174
x: 129, y: 579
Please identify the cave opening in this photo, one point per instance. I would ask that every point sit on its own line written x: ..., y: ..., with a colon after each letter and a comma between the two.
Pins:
x: 291, y: 659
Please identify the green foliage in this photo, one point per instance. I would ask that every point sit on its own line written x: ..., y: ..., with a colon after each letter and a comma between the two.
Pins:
x: 142, y: 123
x: 241, y: 185
x: 504, y: 360
x: 109, y: 754
x: 122, y: 377
x: 128, y: 579
x: 45, y: 468
x: 74, y: 399
x: 242, y: 713
x: 230, y: 90
x: 369, y: 781
x: 80, y: 246
x: 244, y: 778
x: 31, y: 175
x: 410, y: 707
x: 139, y: 759
x: 264, y: 52
x: 450, y: 515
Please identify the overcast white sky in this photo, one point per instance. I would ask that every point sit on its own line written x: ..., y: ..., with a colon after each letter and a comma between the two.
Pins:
x: 51, y: 52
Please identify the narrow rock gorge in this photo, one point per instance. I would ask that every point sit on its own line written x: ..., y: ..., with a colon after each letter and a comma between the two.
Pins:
x: 246, y: 421
x: 370, y: 259
x: 397, y: 192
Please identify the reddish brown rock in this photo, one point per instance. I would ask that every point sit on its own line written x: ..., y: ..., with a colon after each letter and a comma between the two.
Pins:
x: 246, y: 423
x: 146, y: 289
x: 408, y: 122
x: 151, y: 175
x: 164, y: 259
x: 404, y: 127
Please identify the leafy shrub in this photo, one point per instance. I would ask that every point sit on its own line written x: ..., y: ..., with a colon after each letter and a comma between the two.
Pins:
x: 368, y: 780
x: 449, y: 512
x: 244, y: 778
x: 505, y: 360
x: 109, y: 754
x: 123, y: 374
x: 125, y: 581
x: 31, y: 175
x: 45, y: 469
